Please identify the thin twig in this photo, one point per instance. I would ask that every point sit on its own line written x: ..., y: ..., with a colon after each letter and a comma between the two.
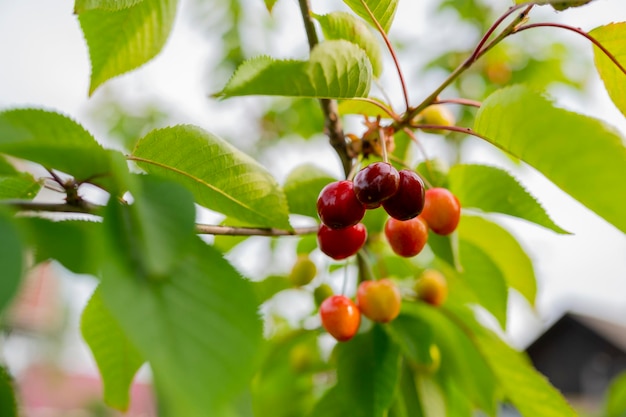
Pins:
x: 208, y: 229
x: 27, y: 205
x: 391, y: 51
x: 478, y: 52
x: 380, y: 105
x: 333, y: 126
x: 578, y: 31
x: 461, y: 101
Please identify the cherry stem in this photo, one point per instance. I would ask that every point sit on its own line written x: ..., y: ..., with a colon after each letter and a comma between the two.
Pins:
x: 208, y: 229
x: 578, y: 31
x: 423, y: 151
x: 332, y: 124
x: 383, y: 140
x: 391, y: 51
x: 480, y: 50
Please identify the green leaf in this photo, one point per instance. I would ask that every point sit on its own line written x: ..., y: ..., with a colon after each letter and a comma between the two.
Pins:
x: 303, y: 186
x: 368, y: 371
x: 361, y: 107
x: 199, y: 330
x: 414, y: 336
x: 431, y: 396
x: 270, y: 4
x: 505, y: 252
x: 81, y: 6
x: 8, y: 405
x: 11, y: 259
x: 474, y: 186
x: 54, y: 141
x: 581, y: 155
x: 342, y: 25
x: 76, y: 244
x: 117, y: 359
x: 122, y: 40
x: 332, y: 404
x: 16, y: 184
x: 221, y: 177
x: 613, y: 38
x: 336, y: 69
x: 485, y: 279
x: 615, y: 405
x: 559, y: 5
x: 460, y: 360
x: 528, y: 390
x: 383, y: 10
x: 156, y: 229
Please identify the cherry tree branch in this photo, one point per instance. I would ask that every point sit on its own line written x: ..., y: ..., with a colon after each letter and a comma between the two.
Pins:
x: 208, y: 229
x: 333, y: 127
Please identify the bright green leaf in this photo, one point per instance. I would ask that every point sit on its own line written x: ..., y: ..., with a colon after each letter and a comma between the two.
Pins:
x: 383, y: 10
x: 336, y: 69
x: 341, y: 25
x: 117, y: 359
x: 581, y: 155
x: 407, y: 402
x: 615, y: 405
x: 431, y: 396
x: 11, y: 259
x: 54, y: 141
x: 156, y: 229
x: 528, y: 390
x: 8, y: 405
x: 332, y: 404
x: 122, y: 40
x: 303, y: 186
x: 221, y: 177
x: 362, y: 107
x: 73, y: 243
x: 199, y: 329
x: 270, y: 286
x: 81, y: 6
x: 504, y: 250
x: 270, y: 4
x: 368, y: 371
x: 613, y: 38
x: 485, y: 279
x: 16, y: 184
x: 474, y: 186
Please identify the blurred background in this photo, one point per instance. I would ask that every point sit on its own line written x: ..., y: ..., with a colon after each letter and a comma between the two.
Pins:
x: 44, y: 62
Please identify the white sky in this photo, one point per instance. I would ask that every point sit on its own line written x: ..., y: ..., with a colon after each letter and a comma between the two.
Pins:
x: 44, y: 63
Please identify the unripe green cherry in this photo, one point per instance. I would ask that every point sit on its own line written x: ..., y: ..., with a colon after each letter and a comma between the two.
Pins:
x: 436, y: 114
x: 321, y: 293
x: 303, y: 271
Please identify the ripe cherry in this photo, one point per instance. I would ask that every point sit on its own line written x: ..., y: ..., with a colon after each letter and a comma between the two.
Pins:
x: 341, y: 243
x: 407, y: 238
x: 338, y: 206
x: 379, y: 300
x: 303, y: 271
x: 432, y: 287
x: 340, y: 317
x: 408, y: 201
x: 376, y: 183
x: 442, y: 211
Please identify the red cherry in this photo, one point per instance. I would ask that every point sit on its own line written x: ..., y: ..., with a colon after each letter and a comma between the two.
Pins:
x: 340, y: 317
x: 341, y: 243
x: 442, y: 211
x: 407, y: 238
x: 408, y: 201
x: 338, y: 206
x: 379, y: 300
x: 376, y: 183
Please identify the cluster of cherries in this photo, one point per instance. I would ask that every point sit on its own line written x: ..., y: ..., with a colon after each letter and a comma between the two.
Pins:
x: 341, y: 206
x: 379, y: 301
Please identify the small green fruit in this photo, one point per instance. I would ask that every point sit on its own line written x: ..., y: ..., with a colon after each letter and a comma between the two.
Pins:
x: 303, y: 271
x: 436, y: 114
x: 321, y: 293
